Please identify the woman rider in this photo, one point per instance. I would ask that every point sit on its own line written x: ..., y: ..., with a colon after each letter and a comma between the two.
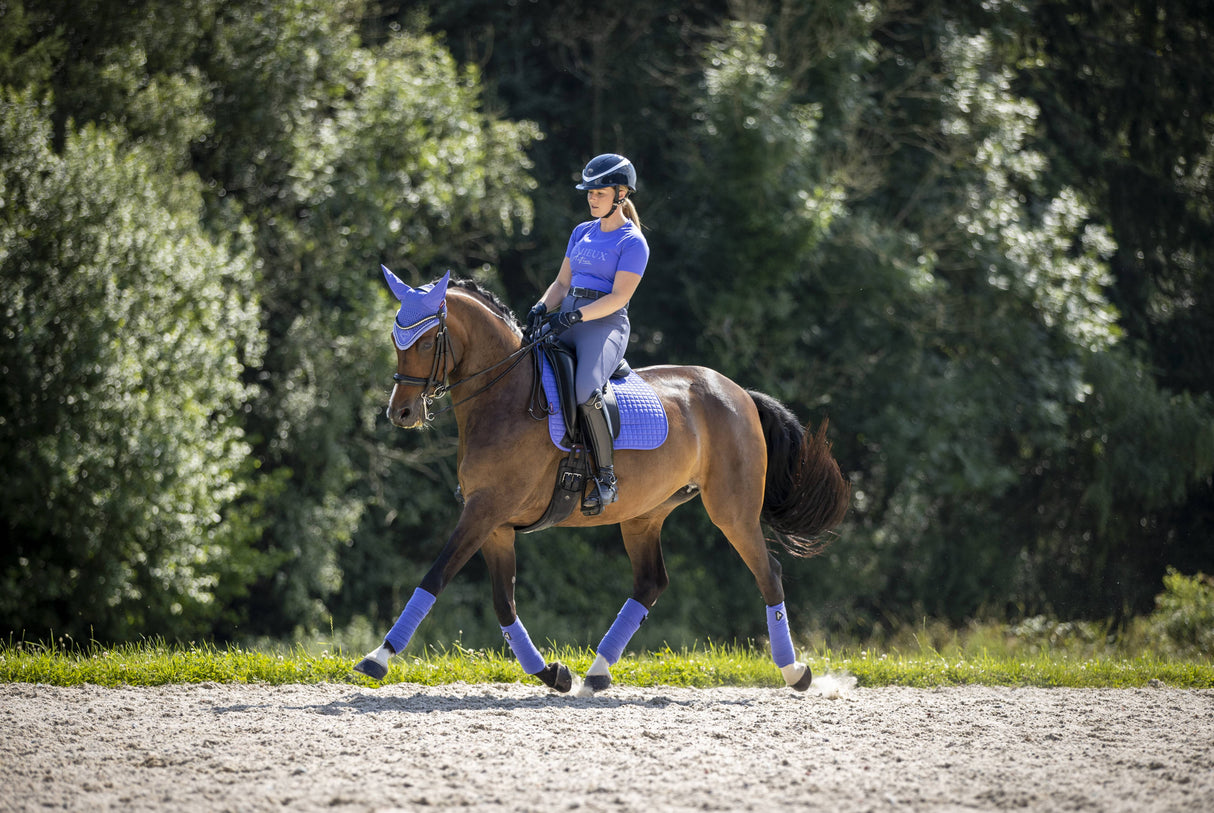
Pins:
x: 603, y: 265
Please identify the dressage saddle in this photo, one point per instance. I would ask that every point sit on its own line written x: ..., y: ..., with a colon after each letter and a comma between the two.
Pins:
x: 563, y: 364
x: 574, y: 470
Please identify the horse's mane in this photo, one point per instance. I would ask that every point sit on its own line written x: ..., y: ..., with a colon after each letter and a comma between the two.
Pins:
x: 492, y: 300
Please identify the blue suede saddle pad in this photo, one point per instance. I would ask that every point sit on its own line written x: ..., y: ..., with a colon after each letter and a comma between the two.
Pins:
x: 643, y: 422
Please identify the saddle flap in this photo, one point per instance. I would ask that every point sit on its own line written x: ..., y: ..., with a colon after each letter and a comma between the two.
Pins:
x: 638, y: 418
x: 563, y: 361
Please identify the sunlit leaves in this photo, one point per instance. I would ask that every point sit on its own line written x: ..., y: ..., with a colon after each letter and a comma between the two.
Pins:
x: 127, y: 327
x: 1048, y: 251
x: 407, y: 161
x: 344, y: 157
x: 757, y: 150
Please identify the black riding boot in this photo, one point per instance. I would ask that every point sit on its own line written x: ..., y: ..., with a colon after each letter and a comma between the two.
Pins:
x: 596, y: 424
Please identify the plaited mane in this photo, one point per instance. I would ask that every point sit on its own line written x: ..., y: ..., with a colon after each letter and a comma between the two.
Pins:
x: 491, y: 299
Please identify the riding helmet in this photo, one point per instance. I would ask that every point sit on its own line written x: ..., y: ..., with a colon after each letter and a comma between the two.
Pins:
x: 608, y: 170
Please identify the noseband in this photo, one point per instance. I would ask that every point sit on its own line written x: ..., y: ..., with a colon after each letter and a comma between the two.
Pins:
x: 432, y: 385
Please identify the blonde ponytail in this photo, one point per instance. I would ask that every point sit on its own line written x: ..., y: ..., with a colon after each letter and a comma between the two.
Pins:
x: 630, y: 209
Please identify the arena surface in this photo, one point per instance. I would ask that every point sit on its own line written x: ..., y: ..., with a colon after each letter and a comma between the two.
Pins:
x: 515, y: 747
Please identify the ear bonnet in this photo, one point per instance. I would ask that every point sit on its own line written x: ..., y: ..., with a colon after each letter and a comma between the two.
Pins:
x: 420, y: 308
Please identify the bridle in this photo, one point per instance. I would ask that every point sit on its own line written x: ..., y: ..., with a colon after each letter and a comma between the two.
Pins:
x: 432, y: 385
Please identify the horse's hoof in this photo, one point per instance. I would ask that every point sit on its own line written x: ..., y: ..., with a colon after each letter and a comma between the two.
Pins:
x: 375, y: 665
x: 556, y: 676
x: 372, y: 668
x: 805, y: 681
x: 597, y: 683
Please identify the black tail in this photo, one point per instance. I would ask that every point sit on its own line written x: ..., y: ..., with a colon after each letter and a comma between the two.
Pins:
x: 806, y: 494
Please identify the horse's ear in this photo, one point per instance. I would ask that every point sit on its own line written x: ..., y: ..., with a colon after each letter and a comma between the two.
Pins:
x: 434, y: 297
x: 399, y: 289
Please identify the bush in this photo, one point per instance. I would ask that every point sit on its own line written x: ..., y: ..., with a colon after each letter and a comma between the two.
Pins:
x: 1184, y: 614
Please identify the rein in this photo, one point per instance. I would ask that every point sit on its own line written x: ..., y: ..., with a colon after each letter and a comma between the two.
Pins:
x: 432, y: 386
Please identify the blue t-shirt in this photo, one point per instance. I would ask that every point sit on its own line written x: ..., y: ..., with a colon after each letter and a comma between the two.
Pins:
x: 595, y: 255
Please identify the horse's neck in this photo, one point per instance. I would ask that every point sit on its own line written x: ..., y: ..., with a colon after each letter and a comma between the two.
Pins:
x: 483, y: 334
x: 483, y: 340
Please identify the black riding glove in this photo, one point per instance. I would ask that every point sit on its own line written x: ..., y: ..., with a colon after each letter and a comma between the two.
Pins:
x: 535, y: 318
x: 565, y: 320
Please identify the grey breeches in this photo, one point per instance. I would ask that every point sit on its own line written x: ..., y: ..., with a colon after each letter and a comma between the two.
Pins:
x: 599, y: 344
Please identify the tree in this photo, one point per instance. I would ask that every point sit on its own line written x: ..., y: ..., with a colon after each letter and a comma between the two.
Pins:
x: 1127, y: 117
x: 974, y: 236
x: 124, y: 332
x: 344, y: 157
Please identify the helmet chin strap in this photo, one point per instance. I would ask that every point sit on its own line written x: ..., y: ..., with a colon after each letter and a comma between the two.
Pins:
x: 616, y: 204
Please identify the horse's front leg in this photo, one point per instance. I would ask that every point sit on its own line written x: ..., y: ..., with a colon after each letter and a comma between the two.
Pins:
x: 643, y: 542
x: 500, y: 559
x: 476, y: 525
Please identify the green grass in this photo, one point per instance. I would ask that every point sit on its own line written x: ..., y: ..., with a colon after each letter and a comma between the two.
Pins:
x: 155, y: 663
x: 1047, y: 670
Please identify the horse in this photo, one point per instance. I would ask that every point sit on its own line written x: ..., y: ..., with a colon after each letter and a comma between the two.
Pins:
x: 744, y: 454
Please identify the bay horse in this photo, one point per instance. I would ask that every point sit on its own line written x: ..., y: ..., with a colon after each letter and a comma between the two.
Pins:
x: 744, y: 454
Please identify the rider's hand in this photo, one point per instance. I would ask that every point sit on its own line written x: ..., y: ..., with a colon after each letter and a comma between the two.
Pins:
x: 565, y: 320
x: 535, y: 318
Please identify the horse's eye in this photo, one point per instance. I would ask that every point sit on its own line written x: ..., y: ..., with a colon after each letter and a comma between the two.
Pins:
x: 426, y: 345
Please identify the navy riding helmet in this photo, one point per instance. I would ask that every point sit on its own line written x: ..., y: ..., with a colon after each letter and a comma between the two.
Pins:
x: 609, y: 170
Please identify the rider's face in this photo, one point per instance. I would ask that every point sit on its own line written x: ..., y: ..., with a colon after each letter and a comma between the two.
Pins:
x: 600, y: 201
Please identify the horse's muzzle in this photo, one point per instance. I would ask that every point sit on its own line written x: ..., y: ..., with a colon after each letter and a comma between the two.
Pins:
x: 407, y: 416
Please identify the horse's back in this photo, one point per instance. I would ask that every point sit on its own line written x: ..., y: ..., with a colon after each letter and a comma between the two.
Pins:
x: 705, y: 405
x: 716, y: 441
x: 693, y: 388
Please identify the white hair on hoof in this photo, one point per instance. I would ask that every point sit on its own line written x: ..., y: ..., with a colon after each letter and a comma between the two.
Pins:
x: 375, y: 665
x: 598, y: 678
x: 797, y: 675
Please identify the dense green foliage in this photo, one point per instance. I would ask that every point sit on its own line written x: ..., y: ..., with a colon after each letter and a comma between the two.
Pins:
x: 976, y: 237
x: 1184, y: 614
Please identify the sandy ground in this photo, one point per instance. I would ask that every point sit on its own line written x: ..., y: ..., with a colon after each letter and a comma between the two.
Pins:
x: 520, y: 747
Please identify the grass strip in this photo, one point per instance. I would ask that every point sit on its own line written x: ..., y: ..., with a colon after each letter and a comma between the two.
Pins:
x: 156, y: 663
x: 930, y: 670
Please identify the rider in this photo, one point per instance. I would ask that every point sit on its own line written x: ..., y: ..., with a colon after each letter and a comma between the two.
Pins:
x: 603, y: 265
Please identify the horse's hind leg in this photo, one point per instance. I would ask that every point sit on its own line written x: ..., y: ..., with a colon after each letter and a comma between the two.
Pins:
x: 643, y: 542
x: 500, y: 559
x: 746, y: 536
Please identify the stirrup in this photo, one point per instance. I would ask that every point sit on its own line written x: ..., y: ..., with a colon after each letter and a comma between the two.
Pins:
x: 602, y: 495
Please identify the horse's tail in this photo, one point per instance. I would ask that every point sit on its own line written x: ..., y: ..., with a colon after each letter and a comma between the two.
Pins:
x: 806, y: 494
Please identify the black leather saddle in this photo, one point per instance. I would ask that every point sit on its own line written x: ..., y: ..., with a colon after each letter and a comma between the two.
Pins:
x: 563, y: 364
x: 573, y: 472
